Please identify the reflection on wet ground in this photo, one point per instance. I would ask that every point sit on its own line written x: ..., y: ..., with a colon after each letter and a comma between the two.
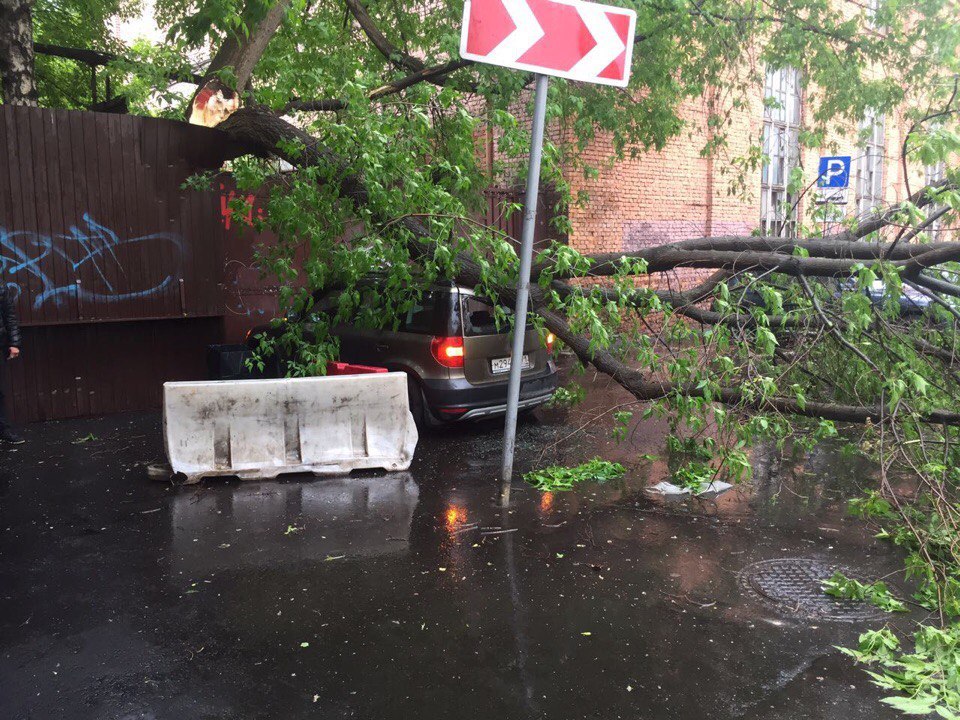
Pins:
x: 414, y: 595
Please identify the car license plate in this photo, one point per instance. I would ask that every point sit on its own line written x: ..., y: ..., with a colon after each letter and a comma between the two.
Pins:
x: 502, y: 365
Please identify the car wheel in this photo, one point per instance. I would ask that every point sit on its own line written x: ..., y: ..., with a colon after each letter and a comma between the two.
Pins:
x: 418, y: 407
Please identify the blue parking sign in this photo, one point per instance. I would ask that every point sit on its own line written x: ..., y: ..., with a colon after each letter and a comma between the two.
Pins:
x: 834, y: 172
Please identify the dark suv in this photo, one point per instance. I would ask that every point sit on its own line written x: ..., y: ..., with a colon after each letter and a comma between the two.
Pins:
x: 457, y: 362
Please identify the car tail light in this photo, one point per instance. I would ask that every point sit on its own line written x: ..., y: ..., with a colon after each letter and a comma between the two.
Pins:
x: 448, y: 351
x: 550, y: 340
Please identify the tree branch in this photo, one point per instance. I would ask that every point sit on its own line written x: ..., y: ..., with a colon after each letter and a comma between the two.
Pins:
x: 391, y: 88
x: 380, y: 41
x: 634, y: 382
x: 96, y: 58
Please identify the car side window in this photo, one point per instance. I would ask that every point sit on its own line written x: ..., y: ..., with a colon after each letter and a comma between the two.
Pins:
x: 429, y: 316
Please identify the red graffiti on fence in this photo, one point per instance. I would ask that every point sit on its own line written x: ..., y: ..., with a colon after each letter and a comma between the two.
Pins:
x: 227, y: 213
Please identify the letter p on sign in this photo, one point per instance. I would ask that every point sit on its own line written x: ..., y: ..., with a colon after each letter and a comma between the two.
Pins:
x: 834, y: 172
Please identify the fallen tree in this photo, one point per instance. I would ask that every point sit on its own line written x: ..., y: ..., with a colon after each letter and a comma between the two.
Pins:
x: 380, y: 118
x: 388, y: 151
x: 786, y: 337
x: 835, y: 256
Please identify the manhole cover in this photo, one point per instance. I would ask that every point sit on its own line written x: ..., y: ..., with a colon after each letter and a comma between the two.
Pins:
x: 794, y: 587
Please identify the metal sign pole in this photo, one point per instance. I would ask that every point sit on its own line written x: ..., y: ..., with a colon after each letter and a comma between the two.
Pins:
x: 523, y: 285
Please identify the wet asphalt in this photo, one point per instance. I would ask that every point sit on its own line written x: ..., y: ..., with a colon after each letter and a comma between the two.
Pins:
x: 401, y: 596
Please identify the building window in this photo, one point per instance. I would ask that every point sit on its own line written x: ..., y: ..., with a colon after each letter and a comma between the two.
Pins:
x: 870, y: 164
x: 934, y: 174
x: 781, y: 150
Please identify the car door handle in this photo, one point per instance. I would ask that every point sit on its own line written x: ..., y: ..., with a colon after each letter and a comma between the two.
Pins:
x: 382, y: 348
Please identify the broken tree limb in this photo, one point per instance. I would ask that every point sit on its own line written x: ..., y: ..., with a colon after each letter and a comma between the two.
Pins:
x: 824, y: 258
x: 380, y: 41
x: 242, y: 52
x: 644, y: 389
x: 432, y: 73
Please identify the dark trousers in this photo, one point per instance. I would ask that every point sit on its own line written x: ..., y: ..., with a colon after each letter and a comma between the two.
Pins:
x: 4, y: 422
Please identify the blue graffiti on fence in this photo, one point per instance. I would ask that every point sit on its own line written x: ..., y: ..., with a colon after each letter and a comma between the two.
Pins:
x: 91, y: 248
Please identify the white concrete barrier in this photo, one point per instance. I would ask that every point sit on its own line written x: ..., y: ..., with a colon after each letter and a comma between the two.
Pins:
x: 261, y: 428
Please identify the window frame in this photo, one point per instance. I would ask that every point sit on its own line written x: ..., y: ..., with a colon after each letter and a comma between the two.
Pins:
x: 871, y: 163
x: 779, y: 208
x: 934, y: 174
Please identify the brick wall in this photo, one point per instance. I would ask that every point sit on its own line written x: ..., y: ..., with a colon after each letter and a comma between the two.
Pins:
x: 662, y: 197
x: 675, y: 194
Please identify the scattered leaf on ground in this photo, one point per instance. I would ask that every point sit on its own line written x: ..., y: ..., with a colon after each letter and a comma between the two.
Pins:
x: 560, y: 478
x: 877, y: 594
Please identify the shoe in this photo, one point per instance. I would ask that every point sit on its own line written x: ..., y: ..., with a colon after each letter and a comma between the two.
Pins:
x: 11, y: 438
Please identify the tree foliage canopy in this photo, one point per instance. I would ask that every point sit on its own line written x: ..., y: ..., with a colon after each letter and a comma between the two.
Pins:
x: 87, y: 24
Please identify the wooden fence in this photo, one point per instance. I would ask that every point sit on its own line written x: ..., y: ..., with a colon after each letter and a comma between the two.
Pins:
x: 121, y: 276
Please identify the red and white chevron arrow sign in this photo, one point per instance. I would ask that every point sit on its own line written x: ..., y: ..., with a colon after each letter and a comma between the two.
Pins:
x: 567, y: 38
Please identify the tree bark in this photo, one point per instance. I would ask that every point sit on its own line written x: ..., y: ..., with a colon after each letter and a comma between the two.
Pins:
x: 243, y: 55
x: 16, y: 53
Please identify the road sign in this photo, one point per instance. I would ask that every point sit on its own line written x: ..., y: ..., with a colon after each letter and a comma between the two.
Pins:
x: 570, y: 39
x: 567, y: 38
x: 834, y: 172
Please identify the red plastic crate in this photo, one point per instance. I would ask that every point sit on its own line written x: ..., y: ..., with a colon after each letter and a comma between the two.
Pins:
x: 340, y: 368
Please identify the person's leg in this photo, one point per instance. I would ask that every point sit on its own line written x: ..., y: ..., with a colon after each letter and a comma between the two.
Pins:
x: 4, y: 423
x: 7, y: 434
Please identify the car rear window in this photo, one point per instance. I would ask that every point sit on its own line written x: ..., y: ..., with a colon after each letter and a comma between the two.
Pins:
x: 479, y: 318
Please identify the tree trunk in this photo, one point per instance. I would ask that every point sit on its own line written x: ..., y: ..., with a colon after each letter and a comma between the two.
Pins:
x: 16, y: 52
x: 243, y: 54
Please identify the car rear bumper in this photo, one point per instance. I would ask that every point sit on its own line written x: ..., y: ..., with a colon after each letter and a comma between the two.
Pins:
x: 496, y: 410
x: 457, y: 399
